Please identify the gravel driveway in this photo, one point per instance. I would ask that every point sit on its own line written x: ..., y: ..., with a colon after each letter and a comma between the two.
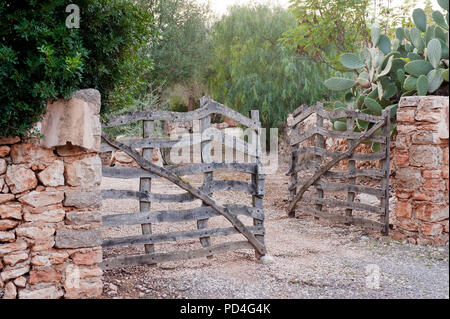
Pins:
x: 311, y: 259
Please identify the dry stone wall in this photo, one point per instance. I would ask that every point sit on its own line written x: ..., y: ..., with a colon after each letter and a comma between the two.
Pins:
x: 50, y: 221
x: 421, y: 163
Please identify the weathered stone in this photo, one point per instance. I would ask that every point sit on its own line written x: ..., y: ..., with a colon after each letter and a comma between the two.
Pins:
x: 431, y: 229
x: 53, y: 175
x: 407, y: 224
x: 16, y: 246
x: 432, y: 213
x: 71, y: 238
x: 4, y: 150
x: 87, y: 259
x: 9, y: 140
x: 76, y: 121
x: 3, y: 166
x: 48, y: 258
x: 444, y: 126
x: 408, y: 178
x: 7, y: 237
x: 83, y: 218
x: 406, y: 115
x: 401, y: 159
x: 70, y: 150
x: 11, y: 210
x: 14, y: 272
x: 41, y: 209
x: 35, y: 231
x: 20, y: 282
x: 403, y: 209
x: 89, y: 272
x: 15, y: 258
x: 87, y: 288
x: 40, y: 199
x: 20, y: 179
x: 4, y: 198
x: 367, y: 199
x: 10, y: 291
x: 44, y: 275
x: 51, y: 292
x: 122, y: 157
x: 83, y: 198
x: 426, y: 156
x: 435, y: 185
x: 85, y: 172
x: 50, y: 216
x: 6, y: 224
x: 31, y: 154
x: 425, y: 137
x: 42, y: 244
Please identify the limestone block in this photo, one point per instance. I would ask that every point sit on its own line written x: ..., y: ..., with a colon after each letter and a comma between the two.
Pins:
x: 76, y: 121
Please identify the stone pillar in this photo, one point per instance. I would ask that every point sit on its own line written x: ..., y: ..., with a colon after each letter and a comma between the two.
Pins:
x: 421, y: 163
x: 50, y: 221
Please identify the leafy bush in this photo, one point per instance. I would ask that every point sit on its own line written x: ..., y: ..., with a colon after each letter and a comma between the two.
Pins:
x: 415, y: 62
x: 253, y: 69
x: 43, y: 59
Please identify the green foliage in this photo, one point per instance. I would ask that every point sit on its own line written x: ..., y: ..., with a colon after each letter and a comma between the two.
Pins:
x: 325, y: 27
x: 418, y: 64
x: 183, y: 53
x: 252, y: 69
x: 42, y: 59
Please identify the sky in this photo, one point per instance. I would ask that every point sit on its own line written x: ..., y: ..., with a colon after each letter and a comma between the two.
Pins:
x: 220, y: 6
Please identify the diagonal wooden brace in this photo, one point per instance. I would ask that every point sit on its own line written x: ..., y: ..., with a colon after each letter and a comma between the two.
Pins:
x: 331, y: 163
x: 152, y: 168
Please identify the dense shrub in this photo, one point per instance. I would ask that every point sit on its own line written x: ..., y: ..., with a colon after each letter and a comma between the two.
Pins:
x: 43, y: 59
x: 253, y: 69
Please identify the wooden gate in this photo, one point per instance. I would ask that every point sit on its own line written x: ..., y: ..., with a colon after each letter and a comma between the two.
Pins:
x: 253, y: 234
x: 319, y: 161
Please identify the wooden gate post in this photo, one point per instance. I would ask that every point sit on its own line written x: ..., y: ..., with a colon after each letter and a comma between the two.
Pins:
x: 351, y: 163
x: 145, y: 184
x: 385, y: 165
x: 257, y: 177
x: 320, y: 143
x: 205, y: 123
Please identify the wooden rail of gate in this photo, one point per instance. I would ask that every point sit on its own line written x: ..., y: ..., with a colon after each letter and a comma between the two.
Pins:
x: 147, y: 171
x: 325, y: 179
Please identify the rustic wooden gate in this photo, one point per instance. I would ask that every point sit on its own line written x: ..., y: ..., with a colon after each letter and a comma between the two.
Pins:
x: 319, y: 160
x: 254, y: 234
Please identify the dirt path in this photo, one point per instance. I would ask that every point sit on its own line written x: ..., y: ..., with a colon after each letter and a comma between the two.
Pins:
x: 310, y: 258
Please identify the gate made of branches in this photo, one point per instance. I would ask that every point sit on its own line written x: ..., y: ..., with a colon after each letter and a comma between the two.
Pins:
x: 312, y: 190
x: 147, y: 172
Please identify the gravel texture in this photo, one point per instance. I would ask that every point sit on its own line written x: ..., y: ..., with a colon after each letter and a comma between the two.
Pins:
x: 311, y: 258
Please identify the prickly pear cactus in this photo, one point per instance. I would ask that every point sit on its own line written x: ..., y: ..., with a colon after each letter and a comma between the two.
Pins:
x: 414, y: 63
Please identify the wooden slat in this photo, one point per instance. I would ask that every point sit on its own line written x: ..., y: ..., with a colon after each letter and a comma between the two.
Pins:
x: 211, y: 107
x: 368, y: 172
x: 348, y: 187
x: 176, y: 236
x: 335, y: 202
x: 318, y: 109
x: 124, y: 261
x: 348, y: 220
x: 212, y: 187
x: 190, y: 169
x: 298, y: 138
x: 327, y: 153
x: 172, y: 216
